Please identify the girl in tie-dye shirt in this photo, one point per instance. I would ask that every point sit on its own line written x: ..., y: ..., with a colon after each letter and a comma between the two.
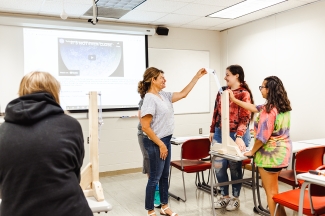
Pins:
x: 273, y: 130
x: 272, y: 148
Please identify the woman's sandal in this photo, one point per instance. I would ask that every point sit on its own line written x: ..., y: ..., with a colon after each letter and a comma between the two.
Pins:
x: 153, y: 213
x: 162, y: 212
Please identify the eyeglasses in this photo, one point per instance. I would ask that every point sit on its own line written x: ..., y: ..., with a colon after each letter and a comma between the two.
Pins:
x: 260, y: 87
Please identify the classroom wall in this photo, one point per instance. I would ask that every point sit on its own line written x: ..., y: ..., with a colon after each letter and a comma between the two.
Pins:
x: 119, y: 148
x: 291, y: 46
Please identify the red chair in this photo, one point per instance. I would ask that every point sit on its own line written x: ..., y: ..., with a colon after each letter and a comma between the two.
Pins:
x: 305, y: 160
x: 191, y: 154
x: 244, y: 163
x: 314, y: 203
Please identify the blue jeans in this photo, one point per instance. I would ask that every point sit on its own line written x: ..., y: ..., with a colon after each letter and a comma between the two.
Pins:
x: 159, y: 172
x: 221, y: 165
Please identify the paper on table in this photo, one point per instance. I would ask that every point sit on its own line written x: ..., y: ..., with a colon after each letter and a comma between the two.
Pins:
x: 213, y: 72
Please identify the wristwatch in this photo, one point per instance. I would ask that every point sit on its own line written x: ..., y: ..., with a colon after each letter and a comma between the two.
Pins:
x: 239, y: 137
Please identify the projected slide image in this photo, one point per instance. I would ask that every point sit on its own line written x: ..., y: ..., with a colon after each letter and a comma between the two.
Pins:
x: 99, y: 58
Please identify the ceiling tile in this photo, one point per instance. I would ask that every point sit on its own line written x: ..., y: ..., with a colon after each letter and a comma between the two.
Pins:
x: 176, y: 19
x: 194, y: 27
x: 308, y: 1
x: 21, y: 5
x: 207, y: 22
x: 229, y: 24
x: 142, y: 16
x: 161, y: 6
x: 219, y: 3
x: 197, y: 9
x: 166, y: 24
x: 71, y: 1
x: 55, y: 7
x: 284, y: 6
x: 180, y: 0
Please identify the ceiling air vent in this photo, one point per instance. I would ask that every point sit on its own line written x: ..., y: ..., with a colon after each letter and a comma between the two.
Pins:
x: 114, y: 8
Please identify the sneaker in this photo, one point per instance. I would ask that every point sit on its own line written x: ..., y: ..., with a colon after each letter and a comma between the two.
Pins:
x: 156, y: 202
x: 233, y: 204
x: 222, y: 202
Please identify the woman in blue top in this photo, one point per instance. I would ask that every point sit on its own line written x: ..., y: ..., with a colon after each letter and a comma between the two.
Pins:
x: 157, y: 120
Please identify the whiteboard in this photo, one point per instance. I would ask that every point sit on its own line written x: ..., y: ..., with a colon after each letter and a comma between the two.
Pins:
x: 179, y: 68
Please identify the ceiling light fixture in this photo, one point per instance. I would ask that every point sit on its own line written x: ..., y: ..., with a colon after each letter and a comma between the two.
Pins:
x: 244, y: 8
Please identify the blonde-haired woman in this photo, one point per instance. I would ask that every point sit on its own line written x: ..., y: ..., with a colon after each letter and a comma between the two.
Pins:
x: 41, y: 153
x: 157, y: 120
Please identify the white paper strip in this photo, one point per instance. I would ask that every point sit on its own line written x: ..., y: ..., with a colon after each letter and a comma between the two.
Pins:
x: 213, y: 72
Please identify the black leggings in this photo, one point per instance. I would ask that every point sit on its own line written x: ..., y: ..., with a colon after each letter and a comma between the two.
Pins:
x: 274, y: 170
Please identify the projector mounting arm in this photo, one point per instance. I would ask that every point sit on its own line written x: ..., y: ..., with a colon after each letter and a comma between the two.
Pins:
x: 94, y: 20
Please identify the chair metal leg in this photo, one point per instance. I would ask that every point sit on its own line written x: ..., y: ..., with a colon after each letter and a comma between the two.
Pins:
x: 202, y: 185
x: 276, y: 208
x: 184, y: 187
x: 173, y: 195
x: 170, y: 175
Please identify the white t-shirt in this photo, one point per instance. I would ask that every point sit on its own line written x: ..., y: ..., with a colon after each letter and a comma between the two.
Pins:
x: 162, y: 112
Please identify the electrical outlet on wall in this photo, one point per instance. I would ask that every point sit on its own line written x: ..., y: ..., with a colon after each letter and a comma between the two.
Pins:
x: 200, y: 130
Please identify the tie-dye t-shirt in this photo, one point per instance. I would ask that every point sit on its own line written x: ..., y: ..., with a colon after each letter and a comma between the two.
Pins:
x: 273, y: 130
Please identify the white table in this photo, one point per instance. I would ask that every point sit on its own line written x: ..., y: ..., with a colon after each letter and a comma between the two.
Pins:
x: 297, y: 146
x: 181, y: 140
x: 308, y: 179
x: 314, y: 141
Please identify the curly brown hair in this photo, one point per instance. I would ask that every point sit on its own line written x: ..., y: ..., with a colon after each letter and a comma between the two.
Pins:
x: 277, y: 96
x: 144, y: 85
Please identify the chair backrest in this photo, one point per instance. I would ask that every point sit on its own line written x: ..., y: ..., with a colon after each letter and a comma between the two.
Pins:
x: 196, y: 149
x: 317, y: 190
x: 309, y: 159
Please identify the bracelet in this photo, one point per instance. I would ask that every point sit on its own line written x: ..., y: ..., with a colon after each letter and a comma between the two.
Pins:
x: 239, y: 137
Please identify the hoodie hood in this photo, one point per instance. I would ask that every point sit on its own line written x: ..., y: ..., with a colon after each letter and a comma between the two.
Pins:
x: 31, y: 108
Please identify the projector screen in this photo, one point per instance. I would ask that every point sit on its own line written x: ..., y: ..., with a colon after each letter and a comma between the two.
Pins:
x: 111, y: 64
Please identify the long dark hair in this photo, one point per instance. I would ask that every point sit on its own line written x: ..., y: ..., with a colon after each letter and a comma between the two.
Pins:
x: 237, y: 69
x: 277, y: 96
x: 144, y: 85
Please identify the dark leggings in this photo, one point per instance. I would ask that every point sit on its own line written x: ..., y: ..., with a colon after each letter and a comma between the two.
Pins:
x: 273, y: 169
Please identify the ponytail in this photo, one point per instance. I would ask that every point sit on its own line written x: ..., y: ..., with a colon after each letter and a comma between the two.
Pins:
x: 143, y: 88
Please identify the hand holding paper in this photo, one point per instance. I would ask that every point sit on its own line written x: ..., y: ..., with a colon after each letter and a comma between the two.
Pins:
x: 201, y: 73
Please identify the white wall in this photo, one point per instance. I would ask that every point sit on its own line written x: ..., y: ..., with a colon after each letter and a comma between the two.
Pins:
x: 291, y: 46
x: 119, y: 148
